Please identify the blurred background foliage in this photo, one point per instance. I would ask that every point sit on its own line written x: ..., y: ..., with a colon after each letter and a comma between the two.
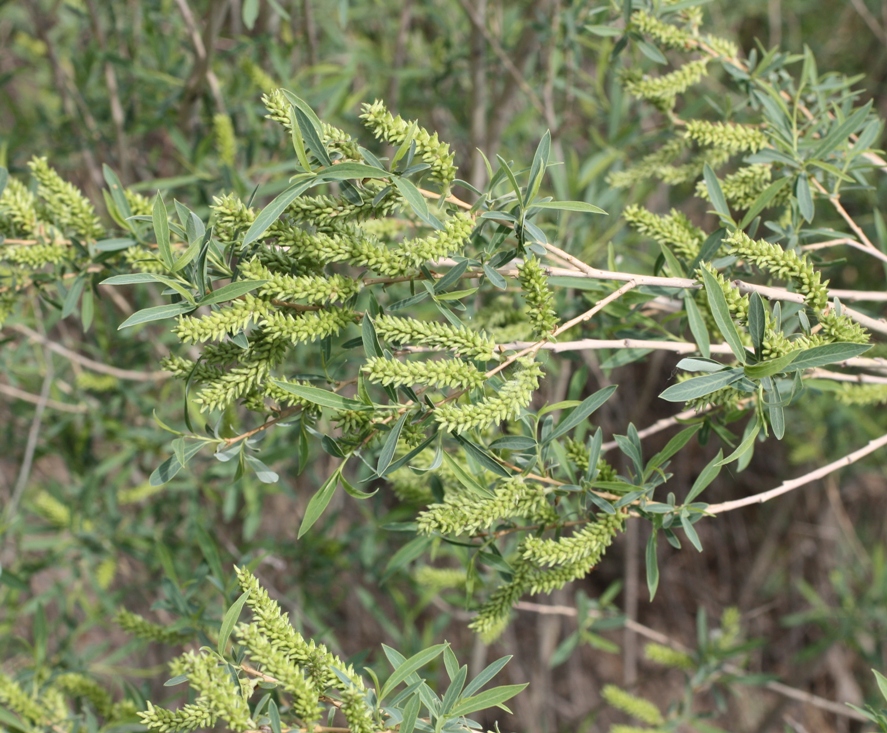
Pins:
x: 168, y: 93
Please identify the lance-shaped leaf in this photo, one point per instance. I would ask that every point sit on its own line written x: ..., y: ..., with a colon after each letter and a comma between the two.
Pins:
x: 273, y: 211
x: 581, y: 413
x: 319, y: 502
x: 495, y: 696
x: 322, y: 397
x: 721, y: 312
x: 157, y: 313
x: 828, y: 354
x: 701, y: 386
x: 413, y: 664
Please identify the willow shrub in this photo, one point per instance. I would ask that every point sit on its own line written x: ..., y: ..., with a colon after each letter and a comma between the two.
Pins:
x: 369, y: 313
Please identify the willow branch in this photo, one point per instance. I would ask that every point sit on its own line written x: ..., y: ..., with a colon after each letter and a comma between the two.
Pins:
x: 20, y: 394
x: 84, y: 361
x: 792, y: 484
x: 660, y: 638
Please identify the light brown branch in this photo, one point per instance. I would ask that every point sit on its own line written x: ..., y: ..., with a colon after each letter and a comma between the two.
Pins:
x: 20, y: 394
x: 85, y: 361
x: 792, y: 484
x: 660, y: 638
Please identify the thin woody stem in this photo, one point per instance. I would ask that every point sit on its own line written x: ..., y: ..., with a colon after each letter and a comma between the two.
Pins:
x: 795, y: 483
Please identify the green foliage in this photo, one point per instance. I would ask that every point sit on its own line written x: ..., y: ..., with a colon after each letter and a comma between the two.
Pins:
x: 400, y: 333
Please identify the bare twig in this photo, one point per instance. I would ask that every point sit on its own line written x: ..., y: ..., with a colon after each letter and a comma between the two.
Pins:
x: 660, y: 638
x: 31, y: 444
x: 480, y: 24
x: 795, y: 483
x: 20, y: 394
x: 85, y: 361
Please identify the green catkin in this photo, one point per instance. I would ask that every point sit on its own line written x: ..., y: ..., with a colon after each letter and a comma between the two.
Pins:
x: 527, y: 577
x: 429, y: 148
x: 224, y: 138
x: 459, y: 339
x: 444, y: 373
x: 668, y: 657
x: 728, y: 136
x: 141, y: 628
x: 633, y: 705
x: 663, y: 90
x: 782, y: 264
x: 18, y: 210
x: 862, y: 394
x: 506, y: 404
x: 673, y: 230
x: 13, y: 696
x: 665, y: 34
x: 465, y: 513
x: 539, y: 296
x: 68, y: 209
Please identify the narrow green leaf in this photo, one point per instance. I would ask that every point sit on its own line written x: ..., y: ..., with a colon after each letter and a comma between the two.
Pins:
x: 412, y: 196
x: 410, y: 715
x: 273, y: 211
x: 405, y: 144
x: 496, y: 279
x: 486, y: 675
x: 708, y: 474
x: 495, y: 696
x: 348, y: 171
x: 73, y: 296
x: 401, y: 462
x: 580, y: 206
x: 413, y: 549
x: 482, y: 457
x: 509, y: 174
x: 709, y: 248
x: 651, y: 52
x: 514, y: 442
x: 313, y: 139
x: 701, y: 386
x: 156, y: 313
x: 672, y: 447
x: 249, y: 13
x: 697, y: 326
x: 715, y: 194
x: 721, y: 312
x: 772, y: 366
x: 369, y: 337
x: 452, y: 277
x: 763, y: 200
x: 581, y: 413
x: 298, y: 142
x: 805, y: 198
x: 355, y: 493
x: 537, y: 169
x: 161, y: 230
x: 114, y: 244
x: 828, y: 354
x: 464, y: 478
x: 652, y: 564
x: 116, y: 189
x: 674, y: 266
x: 413, y: 664
x: 840, y: 131
x: 273, y: 712
x: 302, y: 105
x: 748, y: 441
x: 387, y: 453
x: 776, y: 412
x: 322, y: 397
x: 690, y: 531
x: 231, y: 291
x: 319, y: 502
x: 756, y: 321
x: 229, y: 621
x: 263, y: 473
x: 87, y: 310
x: 167, y: 470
